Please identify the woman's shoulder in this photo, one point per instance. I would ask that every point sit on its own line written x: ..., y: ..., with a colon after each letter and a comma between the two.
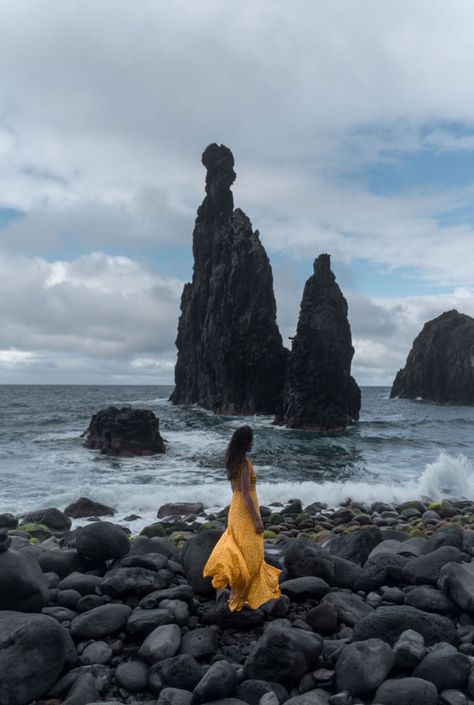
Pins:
x: 250, y: 466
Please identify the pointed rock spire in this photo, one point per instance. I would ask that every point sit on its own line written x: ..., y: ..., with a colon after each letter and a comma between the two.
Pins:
x: 320, y: 392
x: 231, y: 357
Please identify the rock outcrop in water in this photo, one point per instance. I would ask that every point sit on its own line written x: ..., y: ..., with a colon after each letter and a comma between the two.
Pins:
x: 125, y: 432
x: 230, y: 353
x: 320, y: 392
x: 440, y: 365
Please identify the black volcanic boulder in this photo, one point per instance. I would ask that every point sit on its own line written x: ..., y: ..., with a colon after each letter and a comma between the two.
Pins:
x: 320, y: 392
x: 85, y: 507
x: 124, y: 432
x: 363, y: 665
x: 22, y: 585
x: 283, y: 654
x: 388, y: 623
x: 440, y: 365
x: 196, y: 551
x: 101, y: 541
x: 52, y: 518
x: 231, y: 357
x: 33, y: 651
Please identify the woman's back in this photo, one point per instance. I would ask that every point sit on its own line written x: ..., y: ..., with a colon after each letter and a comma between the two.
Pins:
x: 237, y: 484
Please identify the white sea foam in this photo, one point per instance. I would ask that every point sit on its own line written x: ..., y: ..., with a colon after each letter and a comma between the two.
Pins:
x: 447, y: 476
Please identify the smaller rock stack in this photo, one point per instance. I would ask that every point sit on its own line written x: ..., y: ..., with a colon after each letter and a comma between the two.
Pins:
x: 124, y: 432
x: 320, y: 392
x: 440, y: 365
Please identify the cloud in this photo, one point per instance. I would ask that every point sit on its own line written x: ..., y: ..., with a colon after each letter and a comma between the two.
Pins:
x: 383, y: 329
x: 95, y: 308
x: 106, y: 108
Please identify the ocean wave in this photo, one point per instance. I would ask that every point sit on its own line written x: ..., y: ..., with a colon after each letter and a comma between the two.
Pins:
x: 447, y: 476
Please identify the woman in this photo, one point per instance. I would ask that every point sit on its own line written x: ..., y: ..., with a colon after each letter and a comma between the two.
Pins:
x: 237, y: 559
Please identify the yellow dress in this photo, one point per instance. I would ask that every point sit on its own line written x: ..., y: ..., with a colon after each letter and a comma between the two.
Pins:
x: 238, y: 560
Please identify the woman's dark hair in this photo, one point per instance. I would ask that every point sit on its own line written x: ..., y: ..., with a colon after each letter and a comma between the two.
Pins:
x: 236, y: 450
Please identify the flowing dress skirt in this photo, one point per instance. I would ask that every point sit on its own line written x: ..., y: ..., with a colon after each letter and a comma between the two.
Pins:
x: 238, y: 559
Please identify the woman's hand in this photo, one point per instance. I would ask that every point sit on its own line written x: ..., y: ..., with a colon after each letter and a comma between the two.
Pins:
x: 259, y: 528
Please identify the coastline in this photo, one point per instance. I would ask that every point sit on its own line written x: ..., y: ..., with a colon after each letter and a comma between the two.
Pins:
x: 373, y: 596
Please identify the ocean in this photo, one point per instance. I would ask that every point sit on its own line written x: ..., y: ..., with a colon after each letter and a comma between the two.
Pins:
x: 399, y: 450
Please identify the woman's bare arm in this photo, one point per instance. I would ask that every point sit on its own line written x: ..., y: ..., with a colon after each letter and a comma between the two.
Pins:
x: 245, y: 486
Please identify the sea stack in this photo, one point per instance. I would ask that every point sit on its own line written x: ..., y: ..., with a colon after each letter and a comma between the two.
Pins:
x: 231, y: 358
x: 320, y: 392
x: 440, y: 365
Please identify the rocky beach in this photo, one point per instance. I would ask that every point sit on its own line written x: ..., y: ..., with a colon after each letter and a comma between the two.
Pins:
x: 377, y: 607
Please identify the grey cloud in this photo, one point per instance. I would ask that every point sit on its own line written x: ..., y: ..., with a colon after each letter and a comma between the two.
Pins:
x: 98, y: 306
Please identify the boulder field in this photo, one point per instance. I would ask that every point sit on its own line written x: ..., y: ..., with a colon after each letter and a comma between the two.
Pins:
x: 377, y: 608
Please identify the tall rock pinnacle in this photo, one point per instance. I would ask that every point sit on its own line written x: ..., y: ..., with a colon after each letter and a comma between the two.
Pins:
x: 440, y: 365
x: 231, y: 358
x: 320, y: 392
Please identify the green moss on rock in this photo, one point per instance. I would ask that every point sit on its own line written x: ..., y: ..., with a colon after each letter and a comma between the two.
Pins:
x: 153, y: 530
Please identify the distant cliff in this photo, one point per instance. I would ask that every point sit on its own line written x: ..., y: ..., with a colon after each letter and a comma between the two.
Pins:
x: 440, y: 365
x: 231, y: 358
x: 320, y: 392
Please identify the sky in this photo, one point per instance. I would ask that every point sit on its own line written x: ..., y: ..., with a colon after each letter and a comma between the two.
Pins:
x: 352, y: 129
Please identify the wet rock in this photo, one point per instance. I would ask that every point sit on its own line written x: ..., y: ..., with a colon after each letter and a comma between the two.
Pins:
x: 150, y: 561
x: 388, y: 623
x: 363, y: 666
x: 174, y: 696
x: 357, y: 546
x: 439, y: 365
x: 132, y: 675
x: 8, y: 521
x: 22, y: 585
x: 85, y: 507
x: 195, y: 555
x: 142, y: 622
x: 64, y: 561
x: 121, y: 582
x: 230, y: 353
x: 458, y: 580
x: 426, y: 569
x: 283, y: 655
x: 101, y: 541
x: 83, y: 691
x: 453, y: 697
x: 199, y: 643
x: 163, y: 642
x: 219, y: 681
x: 96, y: 652
x: 181, y: 671
x: 320, y: 392
x: 81, y: 582
x: 445, y: 667
x: 303, y: 558
x: 304, y: 587
x: 429, y: 599
x: 409, y: 650
x: 52, y: 518
x: 406, y: 691
x: 100, y: 622
x: 178, y: 592
x: 181, y: 508
x: 252, y: 690
x: 350, y: 608
x: 318, y: 696
x: 124, y: 432
x: 323, y: 619
x: 449, y: 536
x: 32, y: 655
